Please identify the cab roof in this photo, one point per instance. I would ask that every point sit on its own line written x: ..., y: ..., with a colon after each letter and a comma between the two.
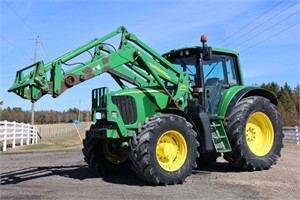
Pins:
x: 194, y: 48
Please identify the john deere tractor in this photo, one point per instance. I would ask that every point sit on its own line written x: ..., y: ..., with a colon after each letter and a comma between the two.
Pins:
x: 173, y: 111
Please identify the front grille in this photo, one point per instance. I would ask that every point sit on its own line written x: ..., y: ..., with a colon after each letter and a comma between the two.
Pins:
x: 99, y: 98
x: 127, y: 108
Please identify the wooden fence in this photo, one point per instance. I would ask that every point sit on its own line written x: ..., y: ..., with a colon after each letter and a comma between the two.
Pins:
x: 291, y: 133
x: 17, y: 133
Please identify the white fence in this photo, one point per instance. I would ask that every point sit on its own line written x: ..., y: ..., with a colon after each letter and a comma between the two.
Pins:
x: 291, y: 133
x: 17, y: 133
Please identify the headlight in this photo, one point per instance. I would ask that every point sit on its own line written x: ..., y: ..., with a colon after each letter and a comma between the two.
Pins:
x: 101, y: 115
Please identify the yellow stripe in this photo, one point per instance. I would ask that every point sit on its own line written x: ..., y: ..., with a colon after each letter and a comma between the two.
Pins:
x: 159, y: 70
x: 143, y: 91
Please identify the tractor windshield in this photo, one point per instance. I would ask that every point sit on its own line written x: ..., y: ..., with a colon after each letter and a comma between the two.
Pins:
x: 219, y: 74
x: 186, y: 64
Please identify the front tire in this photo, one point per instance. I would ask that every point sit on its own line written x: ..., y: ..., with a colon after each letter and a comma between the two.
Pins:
x: 165, y: 150
x: 254, y: 130
x: 101, y: 157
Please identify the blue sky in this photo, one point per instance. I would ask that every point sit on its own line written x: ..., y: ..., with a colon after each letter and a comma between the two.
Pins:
x: 269, y: 47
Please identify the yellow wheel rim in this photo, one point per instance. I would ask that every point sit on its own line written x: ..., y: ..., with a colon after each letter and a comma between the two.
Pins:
x: 111, y: 155
x: 259, y: 134
x: 171, y: 151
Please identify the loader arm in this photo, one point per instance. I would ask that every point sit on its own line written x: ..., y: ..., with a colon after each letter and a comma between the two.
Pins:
x: 133, y: 62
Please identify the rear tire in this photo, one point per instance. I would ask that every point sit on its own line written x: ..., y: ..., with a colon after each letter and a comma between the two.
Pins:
x: 165, y: 150
x: 254, y: 130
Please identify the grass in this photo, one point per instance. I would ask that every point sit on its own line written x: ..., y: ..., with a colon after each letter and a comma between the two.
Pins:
x: 37, y: 147
x: 293, y: 145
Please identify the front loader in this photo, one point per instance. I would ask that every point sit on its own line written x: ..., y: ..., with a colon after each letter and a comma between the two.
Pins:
x: 173, y: 112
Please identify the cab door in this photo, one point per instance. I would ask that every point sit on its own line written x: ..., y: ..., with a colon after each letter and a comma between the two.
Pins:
x: 220, y: 73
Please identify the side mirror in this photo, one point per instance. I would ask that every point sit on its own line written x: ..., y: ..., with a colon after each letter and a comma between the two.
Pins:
x: 207, y: 53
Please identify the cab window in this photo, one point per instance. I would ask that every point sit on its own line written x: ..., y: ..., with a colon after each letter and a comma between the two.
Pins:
x: 231, y: 73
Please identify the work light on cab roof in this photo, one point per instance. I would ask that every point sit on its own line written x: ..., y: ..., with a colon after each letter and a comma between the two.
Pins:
x: 203, y: 38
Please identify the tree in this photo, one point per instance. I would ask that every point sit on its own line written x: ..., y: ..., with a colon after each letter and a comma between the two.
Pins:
x: 272, y: 87
x: 288, y: 102
x: 41, y: 117
x: 296, y: 98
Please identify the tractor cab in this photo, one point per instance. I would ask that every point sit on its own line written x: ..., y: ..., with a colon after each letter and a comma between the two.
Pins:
x: 214, y: 73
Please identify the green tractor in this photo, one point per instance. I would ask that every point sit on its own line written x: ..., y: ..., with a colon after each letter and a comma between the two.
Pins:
x: 173, y: 112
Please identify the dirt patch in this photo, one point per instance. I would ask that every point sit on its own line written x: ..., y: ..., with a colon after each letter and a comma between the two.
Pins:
x: 281, y: 181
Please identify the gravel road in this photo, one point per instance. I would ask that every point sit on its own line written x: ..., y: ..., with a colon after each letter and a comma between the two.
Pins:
x: 64, y: 175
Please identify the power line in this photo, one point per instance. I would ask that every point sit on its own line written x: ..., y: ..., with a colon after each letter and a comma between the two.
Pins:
x: 283, y: 30
x: 11, y: 44
x: 249, y: 23
x: 263, y: 23
x: 26, y: 24
x: 20, y: 18
x: 258, y: 34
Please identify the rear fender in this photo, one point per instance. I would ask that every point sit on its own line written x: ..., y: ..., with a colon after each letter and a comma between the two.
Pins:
x: 243, y: 93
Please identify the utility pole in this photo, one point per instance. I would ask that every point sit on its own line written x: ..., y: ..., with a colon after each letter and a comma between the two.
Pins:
x: 34, y: 61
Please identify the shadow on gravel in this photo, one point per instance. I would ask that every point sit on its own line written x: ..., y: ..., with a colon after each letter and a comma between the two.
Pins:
x: 124, y: 179
x: 82, y: 172
x: 216, y: 167
x: 79, y: 172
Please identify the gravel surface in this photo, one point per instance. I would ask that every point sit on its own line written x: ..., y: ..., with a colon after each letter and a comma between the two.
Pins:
x: 64, y: 175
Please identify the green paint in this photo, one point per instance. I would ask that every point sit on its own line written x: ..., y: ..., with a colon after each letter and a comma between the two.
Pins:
x: 226, y: 99
x: 220, y: 138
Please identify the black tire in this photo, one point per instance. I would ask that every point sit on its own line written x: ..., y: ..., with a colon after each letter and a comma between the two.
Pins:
x: 100, y: 158
x: 147, y: 160
x: 248, y: 153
